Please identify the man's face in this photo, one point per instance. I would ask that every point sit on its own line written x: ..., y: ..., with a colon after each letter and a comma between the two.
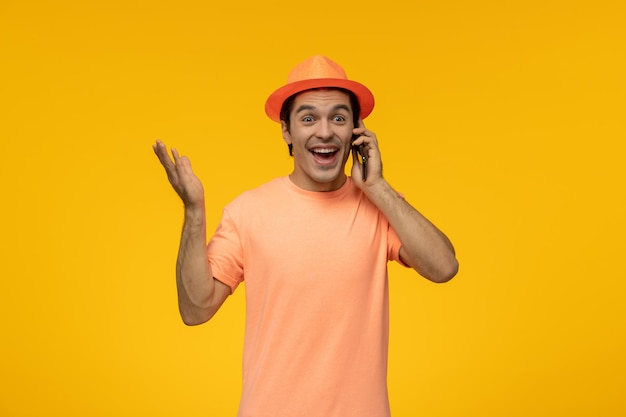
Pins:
x: 321, y: 133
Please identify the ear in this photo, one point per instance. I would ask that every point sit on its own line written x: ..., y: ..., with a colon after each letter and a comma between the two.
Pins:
x: 285, y: 130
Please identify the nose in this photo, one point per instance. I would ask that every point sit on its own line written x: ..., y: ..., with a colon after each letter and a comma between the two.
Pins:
x: 324, y: 130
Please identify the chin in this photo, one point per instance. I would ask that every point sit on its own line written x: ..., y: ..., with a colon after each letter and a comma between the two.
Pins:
x: 329, y: 182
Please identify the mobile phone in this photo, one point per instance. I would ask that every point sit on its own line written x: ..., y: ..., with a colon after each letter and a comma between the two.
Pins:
x: 361, y: 152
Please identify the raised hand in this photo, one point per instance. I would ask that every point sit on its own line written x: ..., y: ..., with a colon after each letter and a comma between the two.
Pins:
x: 368, y: 143
x: 180, y: 174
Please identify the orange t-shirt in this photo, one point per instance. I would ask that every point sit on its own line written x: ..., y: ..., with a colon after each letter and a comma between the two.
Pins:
x: 317, y: 320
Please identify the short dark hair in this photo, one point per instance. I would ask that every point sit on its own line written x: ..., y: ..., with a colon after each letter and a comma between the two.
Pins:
x: 285, y: 111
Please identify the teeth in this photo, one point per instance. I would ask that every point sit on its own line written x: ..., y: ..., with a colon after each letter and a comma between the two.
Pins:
x: 327, y: 150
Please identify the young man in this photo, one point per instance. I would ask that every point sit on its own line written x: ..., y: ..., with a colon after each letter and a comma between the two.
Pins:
x: 313, y: 249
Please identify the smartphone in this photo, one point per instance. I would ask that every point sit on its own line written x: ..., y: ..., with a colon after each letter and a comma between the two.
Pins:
x: 361, y: 152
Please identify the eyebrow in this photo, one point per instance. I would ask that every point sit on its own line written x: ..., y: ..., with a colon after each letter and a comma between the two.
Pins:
x: 308, y: 107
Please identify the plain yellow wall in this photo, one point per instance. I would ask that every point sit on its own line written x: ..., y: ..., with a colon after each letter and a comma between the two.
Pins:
x: 503, y: 122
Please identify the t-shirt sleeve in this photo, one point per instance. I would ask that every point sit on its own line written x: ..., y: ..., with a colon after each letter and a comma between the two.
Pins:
x: 225, y: 254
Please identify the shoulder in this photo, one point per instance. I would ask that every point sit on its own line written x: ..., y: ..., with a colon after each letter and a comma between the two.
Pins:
x: 267, y: 193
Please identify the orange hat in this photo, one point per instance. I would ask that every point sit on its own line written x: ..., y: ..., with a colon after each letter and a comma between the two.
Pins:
x: 316, y: 72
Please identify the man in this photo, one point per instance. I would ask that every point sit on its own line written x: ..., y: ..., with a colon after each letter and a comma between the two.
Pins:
x: 313, y: 249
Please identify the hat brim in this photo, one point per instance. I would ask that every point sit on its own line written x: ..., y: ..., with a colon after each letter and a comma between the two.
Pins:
x: 275, y: 101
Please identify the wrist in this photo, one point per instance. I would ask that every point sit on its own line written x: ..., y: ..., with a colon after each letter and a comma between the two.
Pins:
x: 195, y: 211
x: 377, y: 188
x: 382, y: 194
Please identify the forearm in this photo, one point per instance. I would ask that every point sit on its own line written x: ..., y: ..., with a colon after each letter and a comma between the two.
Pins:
x: 424, y: 247
x: 194, y: 280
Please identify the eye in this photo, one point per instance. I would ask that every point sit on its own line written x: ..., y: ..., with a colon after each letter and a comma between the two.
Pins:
x: 307, y: 119
x: 339, y: 118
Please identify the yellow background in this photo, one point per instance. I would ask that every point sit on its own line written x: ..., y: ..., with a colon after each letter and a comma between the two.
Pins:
x: 502, y: 121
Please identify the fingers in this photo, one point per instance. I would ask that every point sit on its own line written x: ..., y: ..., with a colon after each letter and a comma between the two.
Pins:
x: 175, y: 155
x: 360, y: 129
x: 368, y: 144
x: 161, y: 152
x: 176, y: 166
x: 357, y: 159
x: 180, y: 175
x: 171, y: 166
x: 363, y: 132
x: 366, y: 139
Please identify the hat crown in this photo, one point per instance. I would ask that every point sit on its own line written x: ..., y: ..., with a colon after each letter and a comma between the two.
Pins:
x: 316, y: 67
x: 317, y: 71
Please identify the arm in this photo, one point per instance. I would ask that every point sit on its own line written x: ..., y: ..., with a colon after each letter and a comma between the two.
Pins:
x: 424, y: 247
x: 199, y: 294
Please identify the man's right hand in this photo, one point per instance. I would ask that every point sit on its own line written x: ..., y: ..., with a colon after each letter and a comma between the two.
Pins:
x: 186, y: 184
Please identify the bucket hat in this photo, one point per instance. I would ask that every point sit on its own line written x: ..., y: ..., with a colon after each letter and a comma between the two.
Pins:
x: 316, y: 72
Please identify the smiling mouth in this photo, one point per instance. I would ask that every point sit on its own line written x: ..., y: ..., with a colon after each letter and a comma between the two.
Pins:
x: 324, y: 153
